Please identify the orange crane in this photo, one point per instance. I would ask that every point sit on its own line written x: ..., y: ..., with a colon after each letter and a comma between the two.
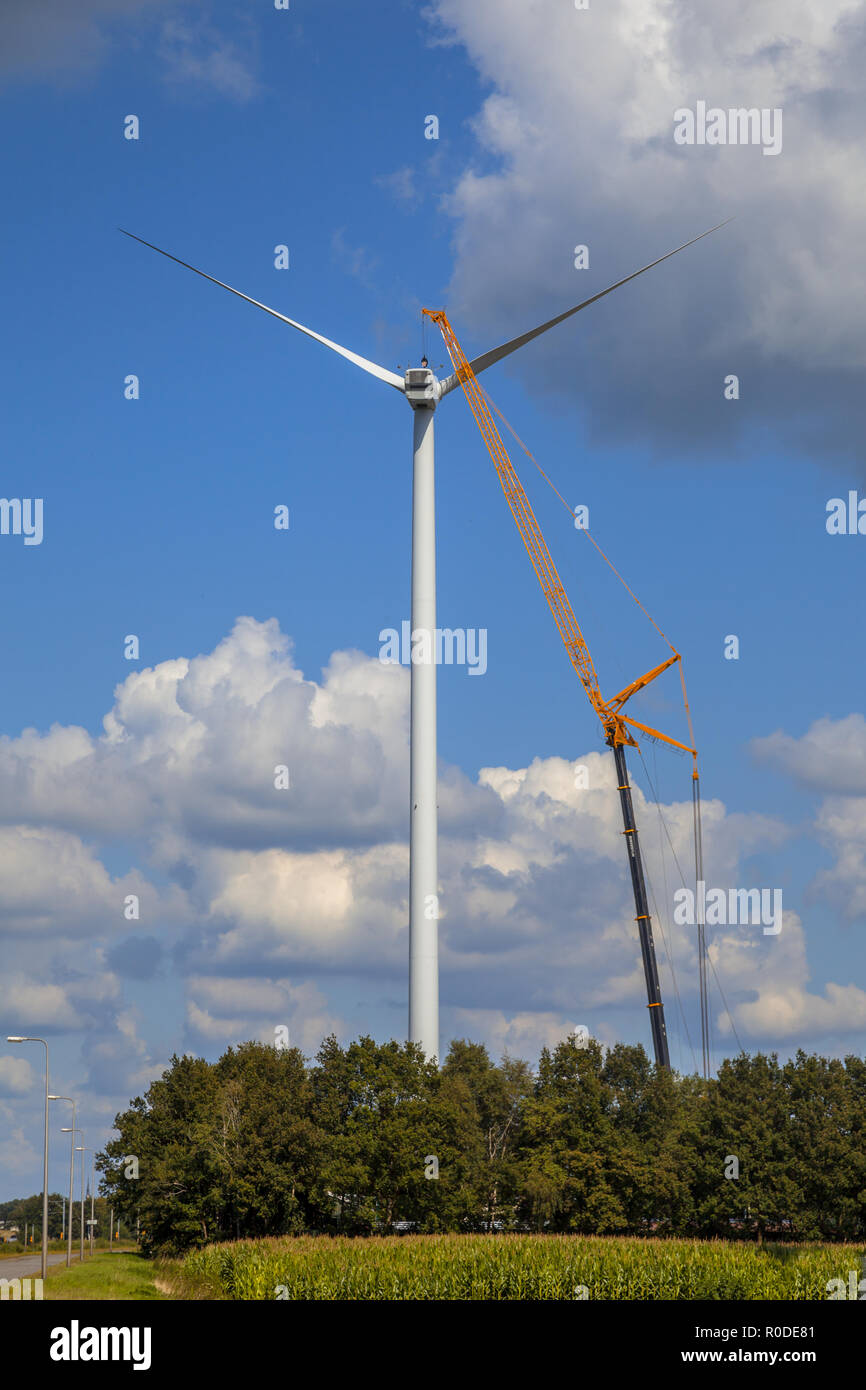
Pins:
x: 614, y: 722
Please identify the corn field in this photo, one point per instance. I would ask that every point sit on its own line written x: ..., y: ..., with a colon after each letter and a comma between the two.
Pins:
x: 508, y: 1267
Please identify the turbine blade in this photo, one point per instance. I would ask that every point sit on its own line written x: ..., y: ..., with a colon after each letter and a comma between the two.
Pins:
x: 496, y: 354
x: 372, y: 367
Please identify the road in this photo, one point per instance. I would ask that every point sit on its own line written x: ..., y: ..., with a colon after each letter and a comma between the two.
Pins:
x: 27, y: 1266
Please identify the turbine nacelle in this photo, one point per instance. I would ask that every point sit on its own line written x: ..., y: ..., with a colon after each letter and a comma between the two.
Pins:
x: 422, y: 389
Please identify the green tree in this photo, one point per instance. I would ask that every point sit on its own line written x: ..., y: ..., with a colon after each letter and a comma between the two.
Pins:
x: 570, y: 1144
x: 372, y: 1102
x: 178, y: 1193
x: 828, y: 1163
x: 490, y: 1101
x: 747, y: 1120
x: 265, y: 1144
x: 649, y: 1110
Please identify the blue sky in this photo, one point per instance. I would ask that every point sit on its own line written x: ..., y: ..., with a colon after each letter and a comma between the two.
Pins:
x: 306, y: 128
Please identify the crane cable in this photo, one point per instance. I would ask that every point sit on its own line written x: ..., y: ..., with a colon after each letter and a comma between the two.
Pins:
x: 702, y: 930
x: 656, y: 801
x: 709, y: 960
x: 529, y: 454
x: 661, y: 924
x: 666, y: 899
x: 661, y: 921
x: 570, y: 511
x: 543, y: 564
x: 703, y: 953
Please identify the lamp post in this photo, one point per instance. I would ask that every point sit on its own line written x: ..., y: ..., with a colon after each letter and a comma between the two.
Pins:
x: 71, y: 1168
x: 79, y: 1148
x: 84, y: 1148
x: 71, y: 1131
x: 44, y: 1157
x: 92, y: 1186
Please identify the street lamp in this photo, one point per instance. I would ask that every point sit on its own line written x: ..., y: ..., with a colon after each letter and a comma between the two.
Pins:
x: 71, y: 1131
x: 44, y: 1158
x: 79, y: 1148
x: 92, y: 1195
x: 71, y: 1165
x: 83, y: 1148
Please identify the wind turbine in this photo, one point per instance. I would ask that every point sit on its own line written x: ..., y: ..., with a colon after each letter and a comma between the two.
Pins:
x: 424, y: 391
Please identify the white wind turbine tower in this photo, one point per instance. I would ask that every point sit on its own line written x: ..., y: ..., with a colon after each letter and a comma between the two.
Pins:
x: 423, y: 392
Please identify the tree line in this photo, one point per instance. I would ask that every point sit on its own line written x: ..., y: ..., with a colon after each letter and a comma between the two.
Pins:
x: 372, y: 1138
x: 27, y: 1212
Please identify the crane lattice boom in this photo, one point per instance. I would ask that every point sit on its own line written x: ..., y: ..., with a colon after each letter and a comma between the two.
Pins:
x: 608, y: 711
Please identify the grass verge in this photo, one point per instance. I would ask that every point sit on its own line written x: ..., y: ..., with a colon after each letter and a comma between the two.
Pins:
x: 127, y: 1276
